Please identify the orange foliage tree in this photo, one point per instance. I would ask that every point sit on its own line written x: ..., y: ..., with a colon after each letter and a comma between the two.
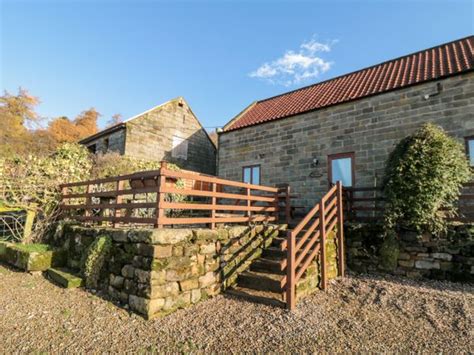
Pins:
x: 22, y: 132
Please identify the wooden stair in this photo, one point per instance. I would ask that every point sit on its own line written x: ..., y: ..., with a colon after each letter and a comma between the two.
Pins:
x: 261, y: 282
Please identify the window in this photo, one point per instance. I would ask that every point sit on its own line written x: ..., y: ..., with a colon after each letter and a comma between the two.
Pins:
x: 251, y: 174
x: 106, y: 145
x: 470, y: 149
x: 92, y: 148
x: 180, y: 148
x: 341, y: 168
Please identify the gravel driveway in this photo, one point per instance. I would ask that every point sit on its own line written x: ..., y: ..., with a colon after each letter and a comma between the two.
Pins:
x: 358, y: 313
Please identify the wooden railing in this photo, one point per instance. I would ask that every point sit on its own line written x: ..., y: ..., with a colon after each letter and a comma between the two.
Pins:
x: 308, y: 239
x: 367, y: 204
x: 167, y: 197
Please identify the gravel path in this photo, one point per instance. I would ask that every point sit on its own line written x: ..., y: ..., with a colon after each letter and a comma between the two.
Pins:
x: 368, y: 313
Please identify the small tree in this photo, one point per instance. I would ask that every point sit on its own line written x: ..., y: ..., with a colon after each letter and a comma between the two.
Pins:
x: 423, y: 179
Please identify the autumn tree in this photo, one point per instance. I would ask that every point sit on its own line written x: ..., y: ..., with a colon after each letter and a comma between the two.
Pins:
x: 115, y: 120
x: 22, y: 132
x: 17, y: 114
x: 86, y: 123
x: 62, y: 129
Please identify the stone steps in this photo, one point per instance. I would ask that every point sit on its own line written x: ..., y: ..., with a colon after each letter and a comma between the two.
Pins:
x: 256, y: 296
x: 267, y: 265
x: 262, y: 281
x: 64, y: 277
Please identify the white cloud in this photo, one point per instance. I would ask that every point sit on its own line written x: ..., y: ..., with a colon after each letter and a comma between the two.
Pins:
x: 295, y: 67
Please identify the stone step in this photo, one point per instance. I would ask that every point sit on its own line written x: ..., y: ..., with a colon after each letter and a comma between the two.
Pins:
x: 267, y: 265
x: 257, y: 296
x: 64, y: 277
x: 262, y: 281
x: 274, y: 253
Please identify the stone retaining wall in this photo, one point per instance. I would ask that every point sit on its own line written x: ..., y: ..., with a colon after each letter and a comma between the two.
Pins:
x: 411, y: 254
x: 310, y: 282
x: 156, y: 271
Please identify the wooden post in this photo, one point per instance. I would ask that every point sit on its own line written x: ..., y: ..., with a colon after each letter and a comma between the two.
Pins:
x: 214, y: 202
x: 290, y: 271
x: 322, y: 233
x: 287, y: 204
x: 249, y: 204
x: 88, y: 199
x: 29, y: 221
x: 277, y: 206
x: 160, y: 199
x: 340, y: 230
x: 118, y: 199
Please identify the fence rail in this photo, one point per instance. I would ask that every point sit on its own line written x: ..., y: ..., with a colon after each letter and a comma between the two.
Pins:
x: 367, y: 204
x: 308, y: 239
x: 167, y: 197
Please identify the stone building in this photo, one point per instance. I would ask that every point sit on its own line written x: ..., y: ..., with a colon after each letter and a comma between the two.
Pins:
x: 344, y: 128
x: 168, y: 132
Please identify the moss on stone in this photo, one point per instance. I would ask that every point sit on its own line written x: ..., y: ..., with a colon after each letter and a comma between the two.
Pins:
x: 389, y: 251
x: 65, y: 278
x: 159, y: 264
x: 95, y: 260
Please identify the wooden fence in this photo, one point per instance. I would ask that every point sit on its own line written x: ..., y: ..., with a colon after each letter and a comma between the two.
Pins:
x: 308, y: 239
x: 366, y: 204
x: 167, y: 197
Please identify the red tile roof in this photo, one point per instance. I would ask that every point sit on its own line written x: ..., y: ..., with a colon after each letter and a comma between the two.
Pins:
x: 434, y: 63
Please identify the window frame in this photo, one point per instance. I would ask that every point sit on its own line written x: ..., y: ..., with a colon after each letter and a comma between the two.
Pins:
x: 468, y: 152
x: 337, y: 156
x: 106, y: 144
x: 251, y: 167
x: 183, y: 143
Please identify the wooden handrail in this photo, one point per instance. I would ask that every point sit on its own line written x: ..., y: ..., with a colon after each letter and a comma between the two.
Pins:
x: 321, y: 220
x: 148, y: 192
x: 362, y: 208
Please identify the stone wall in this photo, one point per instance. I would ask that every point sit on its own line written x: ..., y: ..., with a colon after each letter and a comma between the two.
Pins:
x: 310, y: 282
x: 150, y: 137
x: 156, y: 271
x: 116, y: 142
x: 446, y: 257
x: 369, y: 127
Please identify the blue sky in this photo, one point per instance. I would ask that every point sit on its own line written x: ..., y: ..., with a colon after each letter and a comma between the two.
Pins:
x: 128, y: 56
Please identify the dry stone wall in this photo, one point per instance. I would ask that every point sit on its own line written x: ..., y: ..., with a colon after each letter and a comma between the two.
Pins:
x: 416, y: 255
x: 156, y: 271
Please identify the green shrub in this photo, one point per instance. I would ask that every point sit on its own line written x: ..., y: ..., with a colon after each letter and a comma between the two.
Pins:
x: 32, y: 182
x: 423, y: 178
x: 94, y: 260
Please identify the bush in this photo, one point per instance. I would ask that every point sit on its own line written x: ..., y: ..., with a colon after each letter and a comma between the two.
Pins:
x: 32, y: 182
x: 114, y: 164
x: 423, y: 179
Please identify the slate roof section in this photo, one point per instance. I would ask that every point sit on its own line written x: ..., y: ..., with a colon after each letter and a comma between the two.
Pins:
x: 445, y: 60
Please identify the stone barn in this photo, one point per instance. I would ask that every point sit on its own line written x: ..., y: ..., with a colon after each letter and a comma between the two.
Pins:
x: 344, y: 128
x: 170, y: 131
